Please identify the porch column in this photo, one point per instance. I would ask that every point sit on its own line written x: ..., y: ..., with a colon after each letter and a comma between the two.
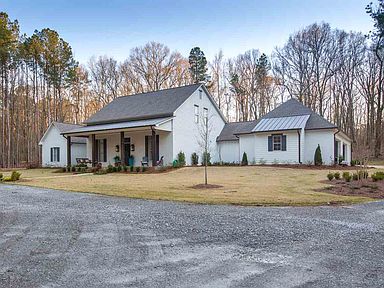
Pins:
x: 68, y: 150
x: 154, y: 148
x: 122, y: 150
x: 93, y: 141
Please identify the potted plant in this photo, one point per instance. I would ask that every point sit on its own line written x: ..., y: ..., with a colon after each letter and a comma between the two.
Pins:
x: 117, y: 160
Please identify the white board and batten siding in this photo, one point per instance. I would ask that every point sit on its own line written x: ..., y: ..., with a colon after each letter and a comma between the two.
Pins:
x: 186, y: 134
x: 53, y: 139
x: 229, y: 151
x: 324, y: 138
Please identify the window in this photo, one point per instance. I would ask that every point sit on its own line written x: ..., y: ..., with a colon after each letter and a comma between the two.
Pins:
x: 55, y: 154
x: 101, y: 148
x: 201, y: 94
x: 205, y: 115
x: 276, y: 141
x: 197, y: 114
x: 148, y: 147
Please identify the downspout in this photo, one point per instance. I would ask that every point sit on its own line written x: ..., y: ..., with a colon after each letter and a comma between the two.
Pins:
x: 298, y: 134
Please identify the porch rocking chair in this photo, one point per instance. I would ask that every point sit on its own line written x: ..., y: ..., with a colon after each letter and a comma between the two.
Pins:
x: 144, y: 161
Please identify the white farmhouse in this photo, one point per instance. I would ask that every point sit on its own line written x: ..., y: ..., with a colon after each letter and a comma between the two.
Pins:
x: 143, y: 129
x: 147, y: 127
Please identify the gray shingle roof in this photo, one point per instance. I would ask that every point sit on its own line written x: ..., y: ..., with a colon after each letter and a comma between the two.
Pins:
x: 65, y: 127
x: 230, y: 129
x: 290, y: 108
x: 293, y: 107
x: 155, y: 104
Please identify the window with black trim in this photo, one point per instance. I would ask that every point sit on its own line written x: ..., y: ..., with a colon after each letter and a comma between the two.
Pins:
x: 205, y: 115
x: 55, y: 154
x: 201, y: 94
x: 101, y: 148
x: 197, y: 114
x: 277, y: 142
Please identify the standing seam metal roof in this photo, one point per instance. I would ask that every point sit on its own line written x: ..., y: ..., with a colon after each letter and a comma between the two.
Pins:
x: 286, y: 115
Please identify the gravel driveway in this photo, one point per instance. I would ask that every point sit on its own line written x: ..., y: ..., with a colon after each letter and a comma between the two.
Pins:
x: 59, y: 239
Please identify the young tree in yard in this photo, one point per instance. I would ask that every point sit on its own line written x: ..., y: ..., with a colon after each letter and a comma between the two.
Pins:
x: 205, y: 128
x: 197, y: 65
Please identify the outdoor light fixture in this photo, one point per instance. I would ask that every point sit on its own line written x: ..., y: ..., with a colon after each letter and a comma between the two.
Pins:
x: 117, y: 149
x: 132, y: 147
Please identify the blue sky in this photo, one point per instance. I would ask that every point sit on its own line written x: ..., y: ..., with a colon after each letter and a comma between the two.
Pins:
x: 113, y: 27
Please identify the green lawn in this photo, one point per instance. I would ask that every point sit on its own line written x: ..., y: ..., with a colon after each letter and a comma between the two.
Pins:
x: 253, y: 185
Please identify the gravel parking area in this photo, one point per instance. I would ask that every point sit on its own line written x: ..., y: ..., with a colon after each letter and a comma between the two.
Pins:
x: 58, y: 239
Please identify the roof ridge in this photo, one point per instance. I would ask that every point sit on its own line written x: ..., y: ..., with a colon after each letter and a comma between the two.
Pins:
x: 165, y: 89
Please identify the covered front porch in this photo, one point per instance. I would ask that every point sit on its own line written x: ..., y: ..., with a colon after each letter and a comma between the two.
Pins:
x: 134, y: 143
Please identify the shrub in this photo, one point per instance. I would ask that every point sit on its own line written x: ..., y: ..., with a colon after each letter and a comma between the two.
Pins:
x: 337, y: 175
x: 362, y: 174
x: 377, y: 176
x: 131, y: 168
x: 137, y: 169
x: 1, y: 177
x: 109, y: 168
x: 181, y: 158
x: 355, y: 176
x: 330, y: 176
x: 347, y: 176
x: 125, y: 168
x: 100, y: 172
x: 119, y: 168
x: 83, y: 169
x: 69, y: 168
x: 143, y: 169
x: 318, y: 158
x: 262, y: 161
x: 206, y: 157
x: 175, y: 164
x: 64, y: 169
x: 78, y: 169
x: 114, y: 169
x: 7, y: 179
x: 353, y: 162
x: 244, y: 160
x: 73, y: 168
x: 194, y: 158
x: 15, y: 176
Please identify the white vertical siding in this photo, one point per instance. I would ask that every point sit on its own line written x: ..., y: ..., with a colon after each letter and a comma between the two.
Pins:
x: 247, y: 145
x: 186, y: 132
x: 229, y: 151
x: 324, y: 138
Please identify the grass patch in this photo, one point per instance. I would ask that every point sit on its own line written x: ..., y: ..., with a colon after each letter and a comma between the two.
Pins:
x: 272, y: 186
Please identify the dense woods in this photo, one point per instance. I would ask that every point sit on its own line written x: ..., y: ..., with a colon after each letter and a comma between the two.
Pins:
x: 339, y: 74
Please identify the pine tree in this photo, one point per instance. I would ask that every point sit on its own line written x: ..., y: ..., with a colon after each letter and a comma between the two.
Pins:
x: 318, y: 158
x: 197, y: 65
x: 244, y: 161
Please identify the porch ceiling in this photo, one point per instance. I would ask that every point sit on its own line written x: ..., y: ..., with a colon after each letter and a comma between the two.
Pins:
x: 156, y: 122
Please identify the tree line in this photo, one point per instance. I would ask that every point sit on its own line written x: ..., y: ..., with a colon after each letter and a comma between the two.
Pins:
x: 338, y: 74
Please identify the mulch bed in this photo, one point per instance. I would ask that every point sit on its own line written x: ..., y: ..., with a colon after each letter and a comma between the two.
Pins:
x: 208, y: 186
x: 364, y: 188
